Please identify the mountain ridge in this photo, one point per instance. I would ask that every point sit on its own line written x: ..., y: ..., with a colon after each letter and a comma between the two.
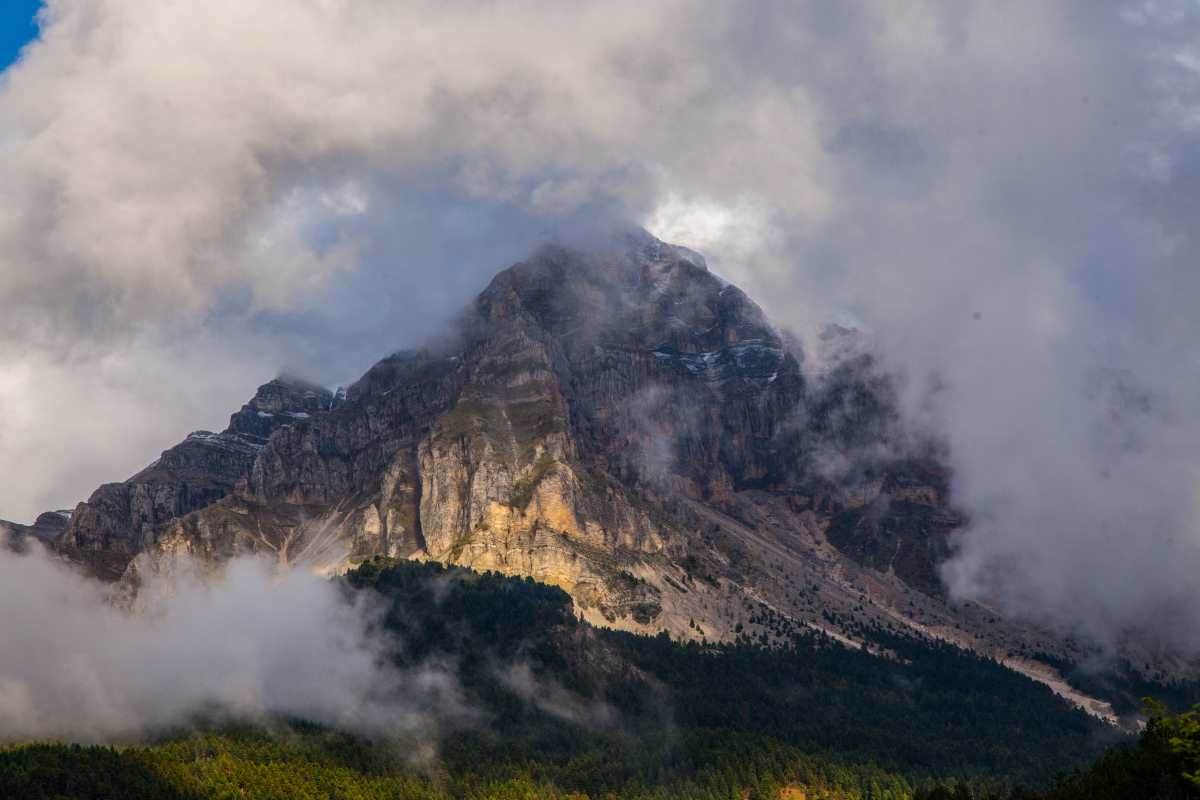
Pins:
x: 618, y: 422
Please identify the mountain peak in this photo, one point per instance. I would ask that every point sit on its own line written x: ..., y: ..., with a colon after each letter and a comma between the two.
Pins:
x: 616, y: 421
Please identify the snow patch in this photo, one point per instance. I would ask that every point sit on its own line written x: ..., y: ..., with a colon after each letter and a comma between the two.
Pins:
x: 226, y: 441
x: 749, y: 360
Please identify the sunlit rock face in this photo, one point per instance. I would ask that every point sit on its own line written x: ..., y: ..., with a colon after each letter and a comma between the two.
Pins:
x: 619, y: 422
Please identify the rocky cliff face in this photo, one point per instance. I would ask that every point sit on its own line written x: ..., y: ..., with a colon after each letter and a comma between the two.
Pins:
x: 121, y: 520
x: 621, y: 423
x: 45, y: 529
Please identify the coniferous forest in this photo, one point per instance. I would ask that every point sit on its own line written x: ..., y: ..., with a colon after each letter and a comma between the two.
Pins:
x: 559, y: 709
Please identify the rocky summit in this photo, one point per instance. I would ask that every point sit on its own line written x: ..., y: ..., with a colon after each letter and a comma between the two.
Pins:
x: 619, y: 422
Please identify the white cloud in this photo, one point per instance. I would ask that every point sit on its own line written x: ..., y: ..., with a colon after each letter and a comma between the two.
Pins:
x: 294, y: 173
x: 249, y: 643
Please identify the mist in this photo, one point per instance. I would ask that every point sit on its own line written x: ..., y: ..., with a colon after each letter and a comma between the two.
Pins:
x: 1000, y: 196
x: 251, y: 644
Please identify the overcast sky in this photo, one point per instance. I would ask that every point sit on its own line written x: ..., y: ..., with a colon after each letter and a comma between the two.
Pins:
x: 194, y: 196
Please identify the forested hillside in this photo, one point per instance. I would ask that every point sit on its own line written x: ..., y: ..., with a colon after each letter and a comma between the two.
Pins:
x: 559, y: 708
x: 1164, y: 765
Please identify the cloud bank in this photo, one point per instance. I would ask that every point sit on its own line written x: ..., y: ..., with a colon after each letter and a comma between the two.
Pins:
x: 1002, y: 194
x: 251, y: 644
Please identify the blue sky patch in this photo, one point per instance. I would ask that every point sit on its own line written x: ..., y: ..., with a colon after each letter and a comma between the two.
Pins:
x: 17, y: 28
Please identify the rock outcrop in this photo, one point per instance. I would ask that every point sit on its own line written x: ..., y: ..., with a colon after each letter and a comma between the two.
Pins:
x: 123, y: 519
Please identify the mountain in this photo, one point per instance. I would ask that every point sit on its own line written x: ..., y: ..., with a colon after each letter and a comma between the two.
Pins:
x: 618, y: 422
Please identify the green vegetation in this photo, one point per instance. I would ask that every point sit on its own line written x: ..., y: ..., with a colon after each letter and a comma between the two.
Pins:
x: 532, y: 421
x: 523, y: 487
x: 258, y: 766
x: 603, y: 714
x: 469, y: 416
x: 1164, y: 765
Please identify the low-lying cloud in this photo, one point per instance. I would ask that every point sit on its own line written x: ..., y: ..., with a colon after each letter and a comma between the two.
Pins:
x: 251, y: 644
x: 1003, y: 194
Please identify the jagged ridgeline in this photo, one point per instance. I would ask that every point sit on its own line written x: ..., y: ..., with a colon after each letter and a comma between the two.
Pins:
x: 560, y: 708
